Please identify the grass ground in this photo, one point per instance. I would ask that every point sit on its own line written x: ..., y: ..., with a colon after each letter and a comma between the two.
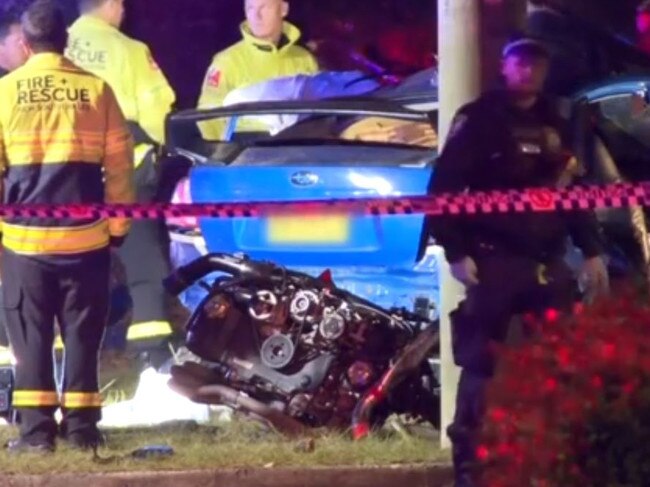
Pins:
x: 236, y: 444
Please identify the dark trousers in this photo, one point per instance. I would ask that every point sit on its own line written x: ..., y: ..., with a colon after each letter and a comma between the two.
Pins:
x: 509, y: 285
x: 146, y: 259
x: 145, y: 253
x: 74, y: 292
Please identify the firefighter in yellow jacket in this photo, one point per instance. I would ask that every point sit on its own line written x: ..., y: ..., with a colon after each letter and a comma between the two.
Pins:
x: 96, y: 44
x: 63, y: 140
x: 268, y: 50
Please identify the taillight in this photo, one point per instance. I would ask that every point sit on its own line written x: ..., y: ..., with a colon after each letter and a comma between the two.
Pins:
x: 182, y: 195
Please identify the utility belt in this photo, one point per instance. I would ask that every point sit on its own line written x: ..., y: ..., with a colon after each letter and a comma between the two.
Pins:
x: 542, y: 260
x: 484, y: 246
x: 145, y: 159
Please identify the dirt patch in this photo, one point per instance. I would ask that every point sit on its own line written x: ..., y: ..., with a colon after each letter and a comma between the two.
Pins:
x: 437, y: 475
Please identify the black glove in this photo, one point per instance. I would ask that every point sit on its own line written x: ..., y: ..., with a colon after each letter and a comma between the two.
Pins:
x: 116, y: 242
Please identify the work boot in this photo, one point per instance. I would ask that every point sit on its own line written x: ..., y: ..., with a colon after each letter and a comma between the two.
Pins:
x: 464, y: 431
x: 85, y: 439
x: 21, y: 445
x: 85, y: 442
x: 463, y: 457
x: 464, y: 476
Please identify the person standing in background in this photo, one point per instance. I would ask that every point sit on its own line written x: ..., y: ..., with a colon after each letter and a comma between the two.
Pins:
x: 508, y: 139
x: 145, y: 96
x: 12, y: 52
x: 12, y: 56
x: 268, y: 50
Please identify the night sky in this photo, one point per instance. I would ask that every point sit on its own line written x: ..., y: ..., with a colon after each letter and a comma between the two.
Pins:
x: 185, y: 34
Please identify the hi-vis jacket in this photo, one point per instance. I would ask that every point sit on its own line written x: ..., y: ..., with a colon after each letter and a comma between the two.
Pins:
x: 250, y: 61
x: 127, y: 65
x: 63, y: 140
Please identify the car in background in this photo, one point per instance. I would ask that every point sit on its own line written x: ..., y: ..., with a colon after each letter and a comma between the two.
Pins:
x: 612, y: 125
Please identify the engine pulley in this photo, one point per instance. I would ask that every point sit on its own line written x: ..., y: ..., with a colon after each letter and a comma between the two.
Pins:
x: 332, y: 326
x: 263, y: 305
x: 360, y: 374
x: 277, y: 351
x: 303, y: 305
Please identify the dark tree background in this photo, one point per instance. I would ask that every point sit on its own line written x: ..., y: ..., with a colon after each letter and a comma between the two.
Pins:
x: 185, y: 34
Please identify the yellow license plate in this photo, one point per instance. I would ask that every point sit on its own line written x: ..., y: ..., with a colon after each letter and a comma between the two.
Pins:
x: 308, y: 229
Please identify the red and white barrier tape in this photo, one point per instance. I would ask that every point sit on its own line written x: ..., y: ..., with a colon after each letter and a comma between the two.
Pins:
x: 536, y: 200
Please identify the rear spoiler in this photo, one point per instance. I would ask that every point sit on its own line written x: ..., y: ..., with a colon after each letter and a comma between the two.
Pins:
x: 364, y: 107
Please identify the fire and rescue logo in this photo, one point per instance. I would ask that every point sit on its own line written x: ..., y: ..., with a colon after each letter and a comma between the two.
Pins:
x: 213, y: 78
x: 48, y: 92
x: 86, y: 55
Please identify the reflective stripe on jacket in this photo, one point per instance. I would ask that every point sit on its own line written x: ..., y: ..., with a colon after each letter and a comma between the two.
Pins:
x: 63, y: 140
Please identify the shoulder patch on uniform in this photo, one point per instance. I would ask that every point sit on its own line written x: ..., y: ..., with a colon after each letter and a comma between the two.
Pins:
x: 152, y: 62
x: 456, y: 125
x: 213, y: 78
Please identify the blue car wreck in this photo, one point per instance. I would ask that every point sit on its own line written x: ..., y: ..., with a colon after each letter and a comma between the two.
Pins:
x: 349, y: 147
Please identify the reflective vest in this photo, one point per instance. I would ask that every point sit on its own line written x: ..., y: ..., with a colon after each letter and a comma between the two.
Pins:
x: 63, y: 140
x: 247, y: 62
x: 127, y: 65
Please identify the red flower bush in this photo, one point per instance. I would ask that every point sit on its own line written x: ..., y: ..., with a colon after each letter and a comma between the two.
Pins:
x: 572, y: 407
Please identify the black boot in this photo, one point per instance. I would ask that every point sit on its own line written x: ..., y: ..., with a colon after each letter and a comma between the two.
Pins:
x: 463, y: 456
x: 86, y: 441
x: 463, y: 433
x: 21, y: 445
x: 88, y: 438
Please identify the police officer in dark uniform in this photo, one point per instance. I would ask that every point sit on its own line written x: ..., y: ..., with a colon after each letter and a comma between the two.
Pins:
x: 511, y: 138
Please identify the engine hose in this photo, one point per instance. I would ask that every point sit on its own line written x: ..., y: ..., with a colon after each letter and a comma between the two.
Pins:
x: 409, y: 360
x: 197, y: 383
x: 188, y: 274
x: 218, y: 393
x: 362, y: 413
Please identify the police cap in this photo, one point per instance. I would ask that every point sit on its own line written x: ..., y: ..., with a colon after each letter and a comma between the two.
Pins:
x: 524, y: 45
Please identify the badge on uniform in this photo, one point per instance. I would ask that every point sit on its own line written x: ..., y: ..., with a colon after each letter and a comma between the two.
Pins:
x: 456, y: 125
x: 542, y: 278
x: 529, y: 148
x: 213, y: 78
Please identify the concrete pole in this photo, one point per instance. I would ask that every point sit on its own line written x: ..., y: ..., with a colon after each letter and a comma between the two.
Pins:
x: 459, y: 81
x: 459, y: 77
x: 470, y: 36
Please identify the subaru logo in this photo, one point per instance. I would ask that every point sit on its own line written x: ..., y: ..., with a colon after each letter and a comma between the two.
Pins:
x: 304, y: 178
